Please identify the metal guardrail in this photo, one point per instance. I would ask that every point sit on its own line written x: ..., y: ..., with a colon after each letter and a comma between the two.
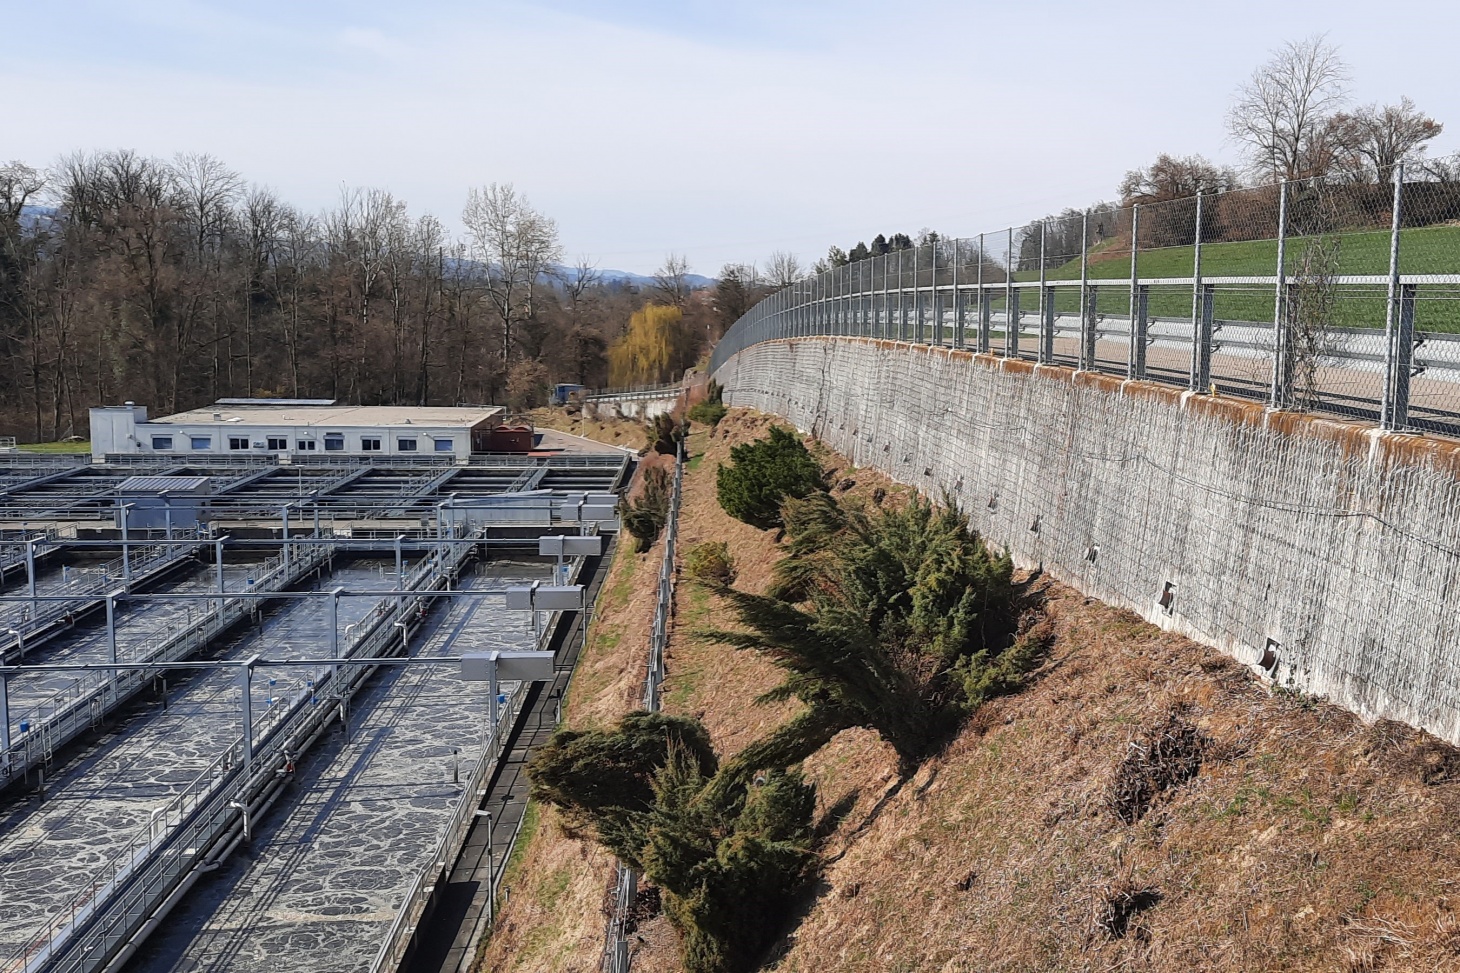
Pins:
x: 91, y: 589
x: 616, y: 944
x: 639, y: 390
x: 201, y: 824
x: 1344, y: 336
x: 68, y: 713
x: 398, y: 940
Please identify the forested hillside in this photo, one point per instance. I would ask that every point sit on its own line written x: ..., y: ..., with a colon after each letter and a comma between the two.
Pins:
x: 174, y: 282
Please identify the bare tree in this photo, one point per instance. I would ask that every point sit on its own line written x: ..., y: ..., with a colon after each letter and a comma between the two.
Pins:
x: 517, y: 245
x: 1281, y: 113
x: 671, y: 280
x: 783, y: 269
x: 19, y: 185
x: 1378, y: 138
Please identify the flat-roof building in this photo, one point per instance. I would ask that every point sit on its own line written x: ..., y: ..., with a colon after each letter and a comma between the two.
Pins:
x: 295, y: 428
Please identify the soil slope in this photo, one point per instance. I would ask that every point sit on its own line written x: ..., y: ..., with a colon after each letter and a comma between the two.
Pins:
x: 1306, y: 840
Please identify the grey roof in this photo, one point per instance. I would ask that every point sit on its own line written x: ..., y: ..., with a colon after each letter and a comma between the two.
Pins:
x: 338, y: 416
x: 161, y: 484
x: 275, y: 402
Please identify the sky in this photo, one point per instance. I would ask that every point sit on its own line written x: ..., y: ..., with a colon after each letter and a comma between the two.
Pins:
x: 719, y: 131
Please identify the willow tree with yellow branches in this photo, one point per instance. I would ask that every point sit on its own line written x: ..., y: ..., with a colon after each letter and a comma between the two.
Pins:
x: 655, y: 349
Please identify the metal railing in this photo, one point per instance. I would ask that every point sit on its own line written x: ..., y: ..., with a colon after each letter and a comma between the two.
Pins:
x: 398, y: 940
x: 55, y: 721
x: 616, y: 943
x: 639, y: 390
x: 138, y: 562
x: 1337, y: 294
x: 198, y: 823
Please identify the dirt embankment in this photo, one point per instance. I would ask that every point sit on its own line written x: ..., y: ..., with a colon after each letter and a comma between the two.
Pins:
x: 1146, y: 804
x: 553, y: 916
x: 615, y: 432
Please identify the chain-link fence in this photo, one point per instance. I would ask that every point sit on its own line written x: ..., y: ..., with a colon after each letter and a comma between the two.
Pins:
x: 1338, y: 294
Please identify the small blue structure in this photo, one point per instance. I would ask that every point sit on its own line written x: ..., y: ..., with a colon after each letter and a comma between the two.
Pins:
x: 563, y: 391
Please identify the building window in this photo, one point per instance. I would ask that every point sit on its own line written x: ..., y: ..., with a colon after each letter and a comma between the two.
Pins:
x: 202, y: 442
x: 305, y: 445
x: 406, y: 445
x: 278, y: 442
x: 334, y: 441
x: 370, y: 444
x: 238, y: 442
x: 162, y: 442
x: 444, y: 446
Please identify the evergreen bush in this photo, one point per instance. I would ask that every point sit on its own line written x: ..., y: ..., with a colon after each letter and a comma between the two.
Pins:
x: 763, y: 474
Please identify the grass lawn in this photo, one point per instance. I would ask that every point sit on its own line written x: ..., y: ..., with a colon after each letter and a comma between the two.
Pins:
x: 84, y: 447
x: 1424, y: 250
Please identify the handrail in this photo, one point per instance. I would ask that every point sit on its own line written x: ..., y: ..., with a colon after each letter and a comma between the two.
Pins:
x: 615, y: 957
x: 100, y: 918
x: 59, y: 718
x: 398, y: 940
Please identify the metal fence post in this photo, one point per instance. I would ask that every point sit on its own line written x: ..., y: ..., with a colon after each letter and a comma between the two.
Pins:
x: 1200, y: 344
x: 1087, y: 326
x: 1135, y: 360
x: 1282, y: 332
x: 958, y: 335
x: 933, y: 299
x: 1399, y: 346
x: 1011, y: 303
x: 1141, y: 327
x: 1045, y: 354
x: 903, y: 316
x: 917, y: 298
x: 984, y: 309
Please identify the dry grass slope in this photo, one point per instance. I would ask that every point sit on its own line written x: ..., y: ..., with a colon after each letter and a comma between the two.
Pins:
x: 1268, y: 831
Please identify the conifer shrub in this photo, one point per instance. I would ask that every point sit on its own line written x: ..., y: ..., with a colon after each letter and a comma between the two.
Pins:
x: 646, y: 516
x: 763, y: 474
x: 712, y: 410
x: 728, y: 858
x: 712, y: 562
x: 665, y: 434
x: 707, y: 413
x: 899, y: 620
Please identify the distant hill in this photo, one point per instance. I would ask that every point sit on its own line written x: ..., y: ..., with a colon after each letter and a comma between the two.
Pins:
x: 625, y: 278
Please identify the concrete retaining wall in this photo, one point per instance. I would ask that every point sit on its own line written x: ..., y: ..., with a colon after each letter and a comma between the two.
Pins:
x: 1339, y: 545
x: 633, y: 405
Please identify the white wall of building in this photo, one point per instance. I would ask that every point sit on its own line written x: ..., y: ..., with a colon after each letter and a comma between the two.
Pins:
x: 119, y: 431
x: 114, y: 429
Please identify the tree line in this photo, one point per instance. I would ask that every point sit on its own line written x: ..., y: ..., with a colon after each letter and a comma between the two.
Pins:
x: 173, y: 282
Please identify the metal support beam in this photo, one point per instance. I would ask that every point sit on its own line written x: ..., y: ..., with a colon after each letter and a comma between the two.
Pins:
x: 1135, y: 359
x: 1011, y: 330
x: 985, y: 321
x: 1088, y: 321
x: 1140, y: 329
x: 1281, y: 389
x: 1201, y: 350
x: 1196, y: 382
x: 1046, y: 325
x: 5, y: 718
x: 1391, y: 417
